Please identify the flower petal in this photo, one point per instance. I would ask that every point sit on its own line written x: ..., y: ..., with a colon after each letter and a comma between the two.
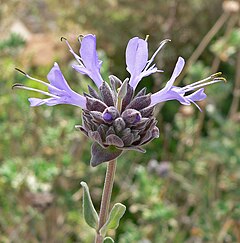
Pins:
x: 88, y: 52
x: 56, y: 78
x: 136, y: 59
x: 63, y: 90
x: 38, y: 101
x: 196, y: 96
x: 81, y: 70
x: 170, y: 92
x: 163, y: 95
x: 136, y: 55
x: 90, y: 59
x: 176, y: 72
x: 80, y: 102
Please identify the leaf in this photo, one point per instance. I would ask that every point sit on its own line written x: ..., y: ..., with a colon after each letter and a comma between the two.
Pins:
x: 115, y: 215
x: 89, y: 212
x: 108, y: 240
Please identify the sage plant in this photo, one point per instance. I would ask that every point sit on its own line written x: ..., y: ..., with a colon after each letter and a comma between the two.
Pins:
x: 114, y: 116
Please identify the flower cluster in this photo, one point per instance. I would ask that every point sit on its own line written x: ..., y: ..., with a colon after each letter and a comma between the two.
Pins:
x: 114, y: 116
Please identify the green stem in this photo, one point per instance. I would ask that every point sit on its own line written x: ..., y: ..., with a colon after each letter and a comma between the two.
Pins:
x: 106, y: 197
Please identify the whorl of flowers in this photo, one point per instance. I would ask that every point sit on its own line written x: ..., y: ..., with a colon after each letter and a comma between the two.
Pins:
x: 114, y: 116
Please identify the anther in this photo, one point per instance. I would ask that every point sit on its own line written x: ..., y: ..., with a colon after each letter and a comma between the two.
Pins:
x: 215, y: 75
x: 165, y: 41
x: 80, y: 37
x: 22, y: 72
x: 146, y: 38
x: 220, y: 79
x: 63, y: 38
x: 17, y: 86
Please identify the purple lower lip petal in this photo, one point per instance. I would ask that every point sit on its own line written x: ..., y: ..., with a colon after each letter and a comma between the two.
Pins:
x: 107, y: 116
x: 138, y: 118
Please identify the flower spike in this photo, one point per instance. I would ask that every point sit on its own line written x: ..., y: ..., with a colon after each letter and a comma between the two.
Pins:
x: 59, y: 90
x: 116, y: 117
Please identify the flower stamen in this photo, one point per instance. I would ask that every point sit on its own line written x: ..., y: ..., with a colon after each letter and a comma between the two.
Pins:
x: 217, y: 80
x: 78, y: 58
x: 37, y: 80
x: 80, y: 37
x: 214, y: 78
x: 162, y: 43
x: 21, y: 86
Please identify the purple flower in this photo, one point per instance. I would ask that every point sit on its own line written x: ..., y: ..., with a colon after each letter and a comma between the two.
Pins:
x: 59, y: 90
x: 138, y: 66
x: 88, y: 62
x: 137, y: 61
x: 170, y: 92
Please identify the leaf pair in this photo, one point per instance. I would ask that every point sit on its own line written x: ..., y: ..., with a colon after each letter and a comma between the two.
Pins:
x: 91, y: 216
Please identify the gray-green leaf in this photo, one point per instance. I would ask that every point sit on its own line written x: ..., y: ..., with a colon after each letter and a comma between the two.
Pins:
x: 108, y: 240
x: 115, y: 215
x: 89, y: 212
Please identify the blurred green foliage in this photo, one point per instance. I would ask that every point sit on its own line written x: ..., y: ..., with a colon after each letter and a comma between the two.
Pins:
x: 226, y: 47
x: 14, y: 41
x: 190, y: 195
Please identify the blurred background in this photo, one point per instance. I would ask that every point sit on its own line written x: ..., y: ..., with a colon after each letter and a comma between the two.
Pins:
x: 185, y: 188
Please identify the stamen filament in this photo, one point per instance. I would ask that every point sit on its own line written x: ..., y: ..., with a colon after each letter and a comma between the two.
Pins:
x: 78, y: 58
x: 20, y: 86
x: 205, y: 84
x: 196, y: 83
x: 212, y: 77
x: 37, y: 80
x: 156, y: 52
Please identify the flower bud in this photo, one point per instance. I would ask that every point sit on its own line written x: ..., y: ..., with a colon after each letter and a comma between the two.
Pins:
x: 110, y: 114
x: 131, y: 116
x: 119, y: 124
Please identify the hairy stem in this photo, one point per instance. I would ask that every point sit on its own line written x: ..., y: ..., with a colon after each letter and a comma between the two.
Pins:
x: 106, y: 197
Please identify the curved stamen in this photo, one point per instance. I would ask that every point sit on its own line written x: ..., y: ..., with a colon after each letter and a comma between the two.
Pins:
x: 194, y: 84
x: 78, y: 58
x: 217, y: 80
x: 80, y: 37
x: 162, y: 43
x: 63, y: 38
x: 212, y: 77
x: 21, y: 86
x: 21, y: 71
x: 37, y: 80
